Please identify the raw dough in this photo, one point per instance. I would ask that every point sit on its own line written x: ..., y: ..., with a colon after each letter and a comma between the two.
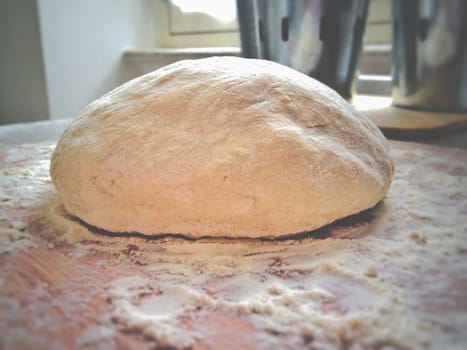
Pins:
x: 222, y: 146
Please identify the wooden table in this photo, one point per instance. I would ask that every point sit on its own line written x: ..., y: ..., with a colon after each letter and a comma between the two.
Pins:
x: 394, y: 276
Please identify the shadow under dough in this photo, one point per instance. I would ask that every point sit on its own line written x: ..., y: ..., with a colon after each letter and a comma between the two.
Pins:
x: 350, y: 227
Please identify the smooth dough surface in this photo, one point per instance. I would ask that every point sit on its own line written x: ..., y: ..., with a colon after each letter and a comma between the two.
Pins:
x: 221, y: 146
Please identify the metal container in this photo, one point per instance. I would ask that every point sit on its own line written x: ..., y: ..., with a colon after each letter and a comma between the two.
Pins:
x: 430, y: 55
x: 321, y: 38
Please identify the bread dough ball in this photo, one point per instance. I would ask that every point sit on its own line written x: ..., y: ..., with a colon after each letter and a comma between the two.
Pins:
x: 221, y: 146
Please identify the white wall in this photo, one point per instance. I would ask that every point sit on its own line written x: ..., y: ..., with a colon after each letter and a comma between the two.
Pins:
x: 83, y: 43
x: 23, y: 95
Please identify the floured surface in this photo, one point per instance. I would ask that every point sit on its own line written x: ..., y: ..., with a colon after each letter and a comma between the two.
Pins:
x: 395, y: 276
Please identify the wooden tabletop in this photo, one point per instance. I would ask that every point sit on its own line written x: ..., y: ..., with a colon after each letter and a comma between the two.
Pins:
x: 409, y: 124
x: 394, y: 276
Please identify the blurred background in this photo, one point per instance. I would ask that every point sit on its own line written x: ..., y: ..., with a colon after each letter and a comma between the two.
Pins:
x: 58, y: 56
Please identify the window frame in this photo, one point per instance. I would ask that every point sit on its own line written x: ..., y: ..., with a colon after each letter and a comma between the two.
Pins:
x: 173, y: 32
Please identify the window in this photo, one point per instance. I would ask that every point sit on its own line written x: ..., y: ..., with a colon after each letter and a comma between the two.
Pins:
x: 207, y: 23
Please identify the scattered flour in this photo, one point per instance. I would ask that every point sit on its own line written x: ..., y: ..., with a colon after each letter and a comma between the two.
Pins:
x: 12, y: 240
x: 161, y: 325
x: 99, y: 337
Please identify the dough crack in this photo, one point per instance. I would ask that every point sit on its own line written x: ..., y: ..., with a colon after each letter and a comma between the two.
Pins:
x: 312, y: 126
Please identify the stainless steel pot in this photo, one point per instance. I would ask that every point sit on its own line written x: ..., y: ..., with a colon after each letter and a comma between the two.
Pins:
x: 321, y: 38
x: 430, y: 55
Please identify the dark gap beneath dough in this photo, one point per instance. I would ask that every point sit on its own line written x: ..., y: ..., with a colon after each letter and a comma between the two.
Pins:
x: 328, y: 231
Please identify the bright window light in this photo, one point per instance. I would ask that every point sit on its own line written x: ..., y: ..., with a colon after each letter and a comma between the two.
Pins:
x: 223, y: 11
